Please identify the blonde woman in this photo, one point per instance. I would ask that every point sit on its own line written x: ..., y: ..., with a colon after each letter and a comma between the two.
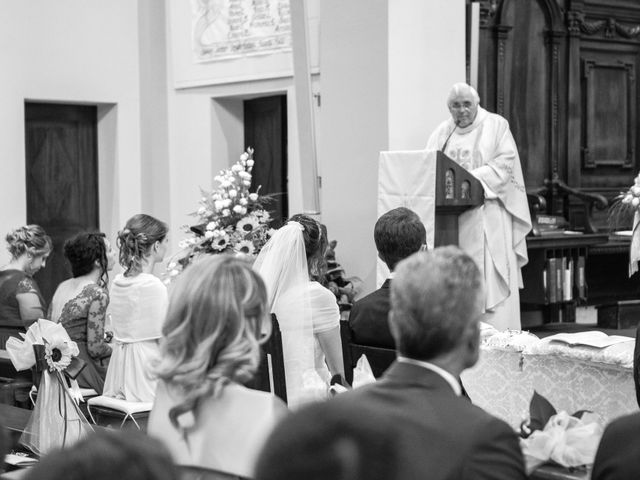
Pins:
x: 137, y: 306
x: 210, y: 349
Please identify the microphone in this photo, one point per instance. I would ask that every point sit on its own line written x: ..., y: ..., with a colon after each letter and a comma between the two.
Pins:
x: 447, y: 140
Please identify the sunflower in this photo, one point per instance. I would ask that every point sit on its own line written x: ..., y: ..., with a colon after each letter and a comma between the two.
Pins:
x: 58, y: 352
x: 245, y: 246
x: 220, y: 242
x: 247, y: 224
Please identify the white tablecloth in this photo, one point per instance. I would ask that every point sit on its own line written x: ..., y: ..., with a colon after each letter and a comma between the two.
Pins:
x: 571, y: 378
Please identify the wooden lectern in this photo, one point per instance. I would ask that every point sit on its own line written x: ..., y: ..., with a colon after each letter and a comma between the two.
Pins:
x: 432, y: 185
x: 457, y: 190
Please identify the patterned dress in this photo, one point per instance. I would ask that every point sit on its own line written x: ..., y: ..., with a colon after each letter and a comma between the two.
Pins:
x: 83, y: 317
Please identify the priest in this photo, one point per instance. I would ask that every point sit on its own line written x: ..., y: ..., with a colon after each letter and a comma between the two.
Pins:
x: 494, y: 233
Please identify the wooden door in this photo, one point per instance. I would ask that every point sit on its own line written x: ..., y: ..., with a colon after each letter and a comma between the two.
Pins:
x: 265, y: 129
x: 61, y: 177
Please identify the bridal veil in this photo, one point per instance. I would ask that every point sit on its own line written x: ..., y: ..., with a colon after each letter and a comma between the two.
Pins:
x: 282, y: 263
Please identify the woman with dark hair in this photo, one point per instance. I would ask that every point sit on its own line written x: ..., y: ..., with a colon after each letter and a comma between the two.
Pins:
x: 210, y: 349
x: 105, y: 455
x: 307, y: 312
x: 21, y: 302
x: 136, y: 310
x: 80, y: 303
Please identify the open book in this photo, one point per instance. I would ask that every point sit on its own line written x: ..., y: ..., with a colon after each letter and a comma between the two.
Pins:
x: 592, y: 338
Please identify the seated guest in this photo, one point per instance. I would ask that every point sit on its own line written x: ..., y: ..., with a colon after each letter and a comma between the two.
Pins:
x: 436, y: 304
x: 397, y: 234
x: 617, y: 457
x: 307, y: 312
x: 210, y: 348
x: 105, y: 455
x: 80, y: 304
x: 328, y: 440
x: 21, y: 302
x: 138, y: 304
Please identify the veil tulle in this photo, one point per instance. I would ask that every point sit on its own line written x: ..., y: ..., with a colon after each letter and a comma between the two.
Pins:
x: 282, y: 263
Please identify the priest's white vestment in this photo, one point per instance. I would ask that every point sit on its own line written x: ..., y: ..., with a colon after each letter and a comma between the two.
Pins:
x: 494, y: 233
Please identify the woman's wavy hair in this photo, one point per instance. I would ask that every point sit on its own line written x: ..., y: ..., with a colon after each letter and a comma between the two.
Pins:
x: 31, y: 239
x: 315, y: 244
x: 136, y: 239
x: 217, y: 309
x: 83, y: 250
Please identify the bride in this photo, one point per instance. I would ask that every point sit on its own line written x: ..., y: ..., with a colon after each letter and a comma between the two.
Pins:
x: 307, y: 312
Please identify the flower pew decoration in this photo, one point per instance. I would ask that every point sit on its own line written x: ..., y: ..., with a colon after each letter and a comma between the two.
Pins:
x: 56, y: 420
x: 231, y: 219
x: 568, y: 440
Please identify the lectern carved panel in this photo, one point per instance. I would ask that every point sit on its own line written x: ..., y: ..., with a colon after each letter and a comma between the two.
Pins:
x: 609, y: 106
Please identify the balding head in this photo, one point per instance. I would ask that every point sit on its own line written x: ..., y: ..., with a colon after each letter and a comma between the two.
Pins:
x: 463, y: 101
x: 436, y: 302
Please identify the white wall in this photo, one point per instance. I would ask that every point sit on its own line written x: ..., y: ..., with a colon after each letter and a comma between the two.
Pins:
x: 386, y: 67
x: 78, y: 51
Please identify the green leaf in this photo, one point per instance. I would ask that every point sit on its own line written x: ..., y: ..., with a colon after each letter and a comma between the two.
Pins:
x: 540, y: 411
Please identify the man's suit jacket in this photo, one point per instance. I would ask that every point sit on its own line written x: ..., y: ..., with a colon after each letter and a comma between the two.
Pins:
x: 618, y: 456
x: 442, y: 436
x: 368, y: 318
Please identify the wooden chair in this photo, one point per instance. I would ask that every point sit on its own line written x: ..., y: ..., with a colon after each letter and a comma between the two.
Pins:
x: 270, y: 376
x: 379, y: 358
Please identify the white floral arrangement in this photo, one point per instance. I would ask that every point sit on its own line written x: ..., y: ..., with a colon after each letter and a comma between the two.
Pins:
x: 231, y: 219
x: 632, y: 196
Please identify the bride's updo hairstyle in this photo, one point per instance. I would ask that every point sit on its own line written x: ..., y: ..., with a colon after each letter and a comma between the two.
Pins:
x: 315, y: 244
x: 30, y: 239
x: 136, y: 239
x: 211, y: 333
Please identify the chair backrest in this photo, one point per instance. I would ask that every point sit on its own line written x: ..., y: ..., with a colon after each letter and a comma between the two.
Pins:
x: 270, y: 376
x: 202, y: 473
x: 379, y: 358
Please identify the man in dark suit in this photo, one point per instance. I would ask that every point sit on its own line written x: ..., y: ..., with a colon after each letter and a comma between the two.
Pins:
x: 618, y: 455
x: 436, y: 305
x: 397, y: 234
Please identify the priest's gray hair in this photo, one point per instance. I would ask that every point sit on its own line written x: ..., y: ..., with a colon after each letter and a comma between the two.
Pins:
x: 434, y: 297
x: 461, y: 88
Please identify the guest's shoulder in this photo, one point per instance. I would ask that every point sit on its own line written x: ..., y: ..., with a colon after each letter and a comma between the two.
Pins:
x: 374, y: 296
x: 623, y: 425
x: 144, y: 281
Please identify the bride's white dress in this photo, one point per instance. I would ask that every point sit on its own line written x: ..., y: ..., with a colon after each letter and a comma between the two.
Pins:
x: 303, y: 309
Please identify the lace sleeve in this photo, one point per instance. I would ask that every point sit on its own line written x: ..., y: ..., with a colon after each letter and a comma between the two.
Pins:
x: 96, y: 344
x: 29, y: 301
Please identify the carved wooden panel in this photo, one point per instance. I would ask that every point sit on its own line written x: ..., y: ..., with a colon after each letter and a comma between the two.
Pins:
x: 526, y: 94
x: 609, y: 112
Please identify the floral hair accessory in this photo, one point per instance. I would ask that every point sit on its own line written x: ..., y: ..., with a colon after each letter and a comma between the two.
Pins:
x: 299, y: 225
x: 232, y: 219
